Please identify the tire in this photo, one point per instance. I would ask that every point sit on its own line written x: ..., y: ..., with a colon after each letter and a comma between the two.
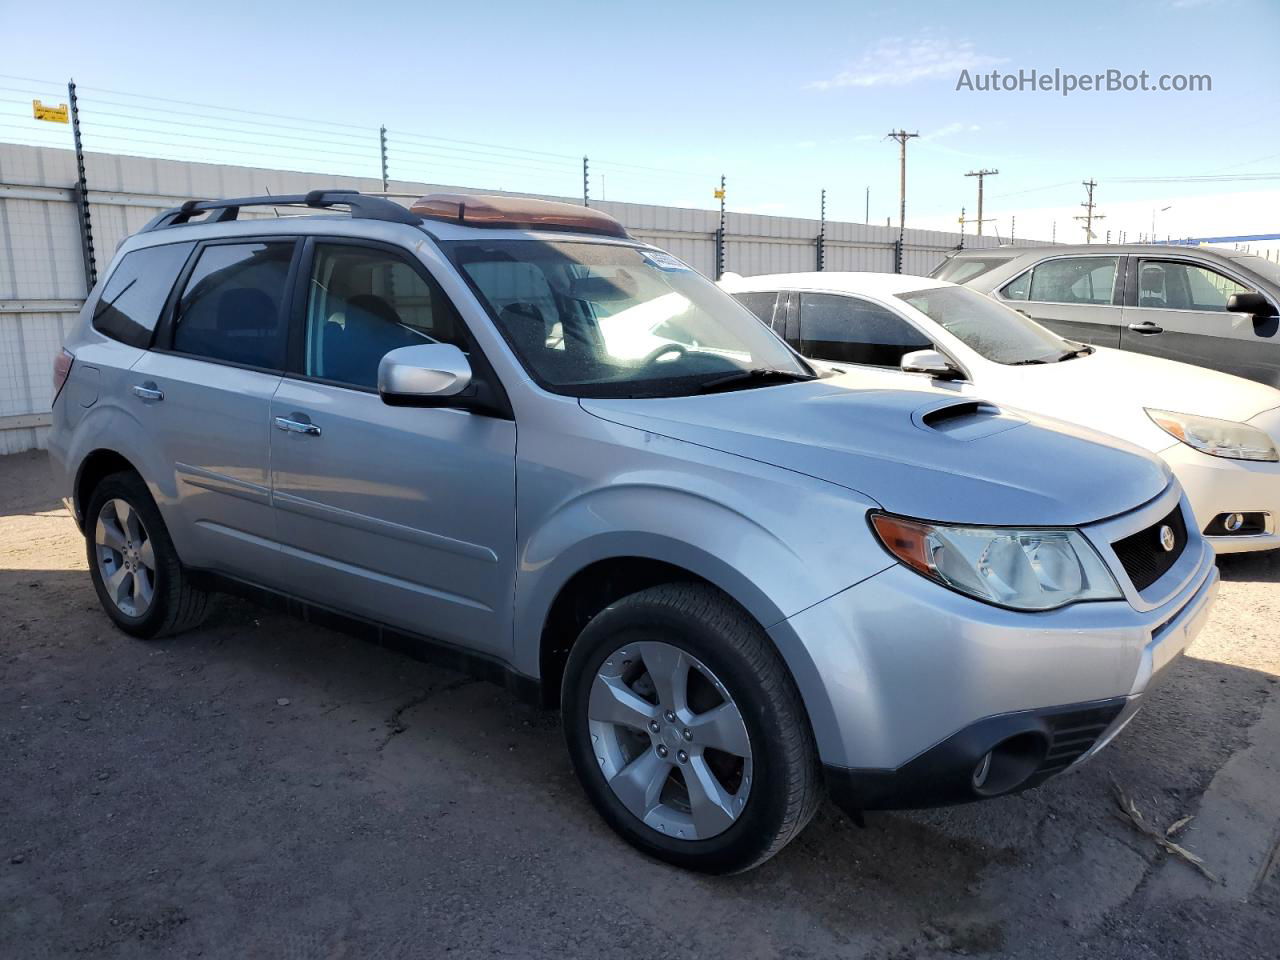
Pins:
x: 733, y: 659
x: 173, y: 604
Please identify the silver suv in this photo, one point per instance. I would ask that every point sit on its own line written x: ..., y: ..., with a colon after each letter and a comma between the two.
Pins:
x: 504, y: 431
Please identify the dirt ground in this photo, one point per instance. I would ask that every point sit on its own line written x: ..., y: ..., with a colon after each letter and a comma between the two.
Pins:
x: 263, y: 788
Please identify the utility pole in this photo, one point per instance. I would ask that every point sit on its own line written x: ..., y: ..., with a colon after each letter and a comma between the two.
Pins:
x: 902, y: 137
x: 981, y: 175
x: 586, y: 182
x: 1089, y: 216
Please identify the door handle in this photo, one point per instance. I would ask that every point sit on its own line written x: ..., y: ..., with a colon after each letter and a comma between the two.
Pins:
x: 148, y: 391
x: 306, y: 428
x: 1146, y: 326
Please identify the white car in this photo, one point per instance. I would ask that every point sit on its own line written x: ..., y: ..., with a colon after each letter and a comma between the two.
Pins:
x: 1219, y: 433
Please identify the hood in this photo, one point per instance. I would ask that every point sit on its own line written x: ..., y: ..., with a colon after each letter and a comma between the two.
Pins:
x: 1096, y: 386
x: 912, y: 452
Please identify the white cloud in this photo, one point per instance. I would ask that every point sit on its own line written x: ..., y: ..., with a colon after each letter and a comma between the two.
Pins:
x: 896, y: 61
x: 950, y: 130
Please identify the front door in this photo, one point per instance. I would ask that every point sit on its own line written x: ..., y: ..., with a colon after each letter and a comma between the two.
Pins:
x: 1179, y: 311
x: 404, y: 515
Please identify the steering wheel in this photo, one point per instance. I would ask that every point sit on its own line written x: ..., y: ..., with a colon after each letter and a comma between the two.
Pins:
x: 653, y: 355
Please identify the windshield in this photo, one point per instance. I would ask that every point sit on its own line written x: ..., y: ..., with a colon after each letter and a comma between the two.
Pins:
x: 990, y: 329
x: 592, y: 319
x: 961, y: 270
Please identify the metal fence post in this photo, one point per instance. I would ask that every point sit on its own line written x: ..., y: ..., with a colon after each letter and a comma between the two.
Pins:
x: 81, y: 195
x: 720, y: 234
x: 822, y: 234
x: 382, y: 145
x: 897, y: 256
x: 586, y: 182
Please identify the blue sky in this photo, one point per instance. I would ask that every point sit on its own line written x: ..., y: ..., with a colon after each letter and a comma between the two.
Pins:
x: 783, y: 99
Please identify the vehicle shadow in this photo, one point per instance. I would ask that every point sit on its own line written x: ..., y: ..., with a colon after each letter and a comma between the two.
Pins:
x: 1261, y: 567
x: 283, y: 766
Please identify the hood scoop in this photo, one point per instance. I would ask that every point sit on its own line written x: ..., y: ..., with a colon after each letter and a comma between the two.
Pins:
x: 965, y: 419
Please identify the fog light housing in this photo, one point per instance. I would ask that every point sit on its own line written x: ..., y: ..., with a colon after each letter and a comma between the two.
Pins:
x: 1233, y: 522
x: 1237, y: 524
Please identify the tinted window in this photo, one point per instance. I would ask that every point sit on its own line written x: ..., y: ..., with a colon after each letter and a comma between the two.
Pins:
x: 849, y: 330
x: 232, y: 306
x: 135, y: 294
x: 958, y: 270
x: 1184, y: 286
x: 363, y: 303
x: 996, y: 332
x: 761, y: 304
x: 1074, y: 280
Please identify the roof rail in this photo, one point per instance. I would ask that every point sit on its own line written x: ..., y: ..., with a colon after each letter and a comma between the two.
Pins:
x: 362, y: 207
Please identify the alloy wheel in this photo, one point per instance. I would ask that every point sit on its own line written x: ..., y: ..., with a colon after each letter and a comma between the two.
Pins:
x: 125, y: 556
x: 670, y: 740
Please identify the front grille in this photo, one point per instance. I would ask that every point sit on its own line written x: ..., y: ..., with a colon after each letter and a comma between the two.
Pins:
x: 1073, y: 734
x: 1144, y: 557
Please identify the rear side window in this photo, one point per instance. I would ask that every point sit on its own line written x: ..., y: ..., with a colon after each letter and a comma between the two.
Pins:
x: 1089, y: 280
x: 232, y: 305
x: 135, y: 294
x: 761, y: 304
x: 849, y: 330
x: 963, y: 270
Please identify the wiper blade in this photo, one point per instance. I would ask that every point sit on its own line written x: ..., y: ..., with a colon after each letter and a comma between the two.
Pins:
x: 760, y: 376
x: 1082, y: 351
x: 1027, y: 363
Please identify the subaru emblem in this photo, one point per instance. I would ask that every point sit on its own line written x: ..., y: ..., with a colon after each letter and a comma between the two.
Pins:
x: 1167, y: 539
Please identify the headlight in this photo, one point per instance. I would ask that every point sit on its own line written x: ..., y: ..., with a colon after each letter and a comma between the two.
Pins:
x: 1217, y: 438
x: 1026, y: 569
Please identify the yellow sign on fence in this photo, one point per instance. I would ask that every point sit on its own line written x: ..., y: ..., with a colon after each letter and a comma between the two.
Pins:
x: 719, y: 194
x: 58, y: 114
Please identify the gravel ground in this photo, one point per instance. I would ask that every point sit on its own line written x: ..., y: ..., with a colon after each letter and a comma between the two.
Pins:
x: 264, y: 788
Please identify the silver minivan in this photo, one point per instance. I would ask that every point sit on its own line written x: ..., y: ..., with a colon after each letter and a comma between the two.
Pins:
x: 504, y: 433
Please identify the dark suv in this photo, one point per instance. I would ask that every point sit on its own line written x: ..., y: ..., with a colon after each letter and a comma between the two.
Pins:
x: 1209, y: 306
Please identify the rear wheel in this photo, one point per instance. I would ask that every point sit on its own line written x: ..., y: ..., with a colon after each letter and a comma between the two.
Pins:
x: 687, y: 732
x: 135, y: 569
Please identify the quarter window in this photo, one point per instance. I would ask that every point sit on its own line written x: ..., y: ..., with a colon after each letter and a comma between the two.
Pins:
x: 1090, y: 280
x: 232, y: 308
x: 1174, y: 285
x: 849, y: 330
x: 759, y: 303
x: 363, y: 303
x: 132, y: 299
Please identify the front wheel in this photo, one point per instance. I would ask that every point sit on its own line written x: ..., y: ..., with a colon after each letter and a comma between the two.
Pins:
x: 687, y: 732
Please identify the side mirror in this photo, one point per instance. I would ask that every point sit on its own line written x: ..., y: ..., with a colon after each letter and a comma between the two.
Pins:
x: 425, y: 375
x: 931, y: 362
x: 1254, y: 303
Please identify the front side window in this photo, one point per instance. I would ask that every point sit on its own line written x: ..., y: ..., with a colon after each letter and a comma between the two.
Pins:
x: 135, y: 294
x: 996, y: 332
x: 232, y: 307
x: 600, y: 319
x: 363, y: 303
x: 850, y: 330
x: 1089, y: 280
x: 1176, y: 285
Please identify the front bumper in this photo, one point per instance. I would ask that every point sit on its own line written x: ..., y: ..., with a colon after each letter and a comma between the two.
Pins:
x: 912, y: 685
x: 1215, y: 485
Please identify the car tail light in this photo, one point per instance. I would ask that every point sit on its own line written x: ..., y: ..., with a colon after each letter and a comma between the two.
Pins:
x: 61, y: 370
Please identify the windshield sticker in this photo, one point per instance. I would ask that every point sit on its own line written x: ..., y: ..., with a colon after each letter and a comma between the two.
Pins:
x: 663, y: 261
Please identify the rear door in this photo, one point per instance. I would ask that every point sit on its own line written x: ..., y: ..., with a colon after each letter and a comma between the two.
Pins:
x: 204, y: 392
x: 1075, y: 297
x: 403, y: 515
x: 1177, y: 309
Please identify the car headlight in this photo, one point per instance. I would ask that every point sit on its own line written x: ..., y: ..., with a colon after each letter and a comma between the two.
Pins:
x: 1026, y: 569
x: 1217, y: 438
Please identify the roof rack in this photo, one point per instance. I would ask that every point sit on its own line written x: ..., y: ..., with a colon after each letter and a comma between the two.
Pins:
x: 362, y: 207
